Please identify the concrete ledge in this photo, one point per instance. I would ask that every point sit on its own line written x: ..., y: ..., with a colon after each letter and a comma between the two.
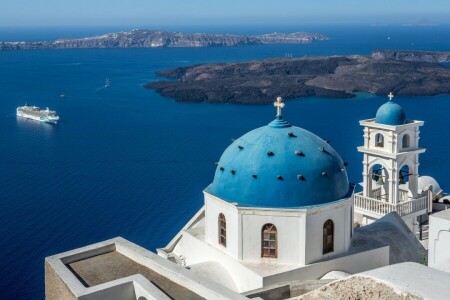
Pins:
x: 132, y: 287
x: 60, y: 278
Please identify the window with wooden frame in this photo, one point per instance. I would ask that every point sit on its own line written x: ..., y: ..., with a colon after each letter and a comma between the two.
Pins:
x: 328, y: 237
x: 222, y: 230
x: 269, y: 241
x: 379, y: 140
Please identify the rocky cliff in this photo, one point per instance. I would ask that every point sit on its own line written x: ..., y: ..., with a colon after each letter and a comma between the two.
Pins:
x: 153, y: 39
x: 257, y: 82
x: 411, y: 55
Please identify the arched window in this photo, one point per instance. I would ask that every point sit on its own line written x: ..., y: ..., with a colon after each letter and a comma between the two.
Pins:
x: 403, y: 175
x: 379, y: 140
x: 328, y: 237
x: 378, y: 174
x: 222, y: 230
x: 269, y: 241
x: 405, y: 141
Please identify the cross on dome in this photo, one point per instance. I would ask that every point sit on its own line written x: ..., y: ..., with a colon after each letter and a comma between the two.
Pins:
x: 279, y: 104
x: 390, y: 96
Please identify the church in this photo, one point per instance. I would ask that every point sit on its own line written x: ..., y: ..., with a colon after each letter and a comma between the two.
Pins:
x: 281, y: 201
x: 279, y: 209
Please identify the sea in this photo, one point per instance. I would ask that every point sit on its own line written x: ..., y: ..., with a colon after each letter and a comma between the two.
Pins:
x: 124, y: 161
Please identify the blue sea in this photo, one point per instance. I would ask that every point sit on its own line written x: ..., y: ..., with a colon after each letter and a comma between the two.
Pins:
x: 127, y: 162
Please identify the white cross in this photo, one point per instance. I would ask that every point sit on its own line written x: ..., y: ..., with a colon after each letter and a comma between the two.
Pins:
x: 279, y: 104
x: 390, y: 96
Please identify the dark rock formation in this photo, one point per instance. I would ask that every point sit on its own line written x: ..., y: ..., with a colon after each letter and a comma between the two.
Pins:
x: 336, y: 76
x: 410, y: 55
x: 153, y: 39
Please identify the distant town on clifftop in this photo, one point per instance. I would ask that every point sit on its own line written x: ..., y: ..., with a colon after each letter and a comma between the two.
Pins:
x: 140, y: 38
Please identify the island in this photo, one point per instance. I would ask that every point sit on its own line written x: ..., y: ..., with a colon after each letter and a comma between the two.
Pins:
x: 261, y: 81
x: 140, y: 38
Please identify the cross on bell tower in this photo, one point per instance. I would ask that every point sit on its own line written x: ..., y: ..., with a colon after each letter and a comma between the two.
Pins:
x: 279, y: 104
x: 390, y: 96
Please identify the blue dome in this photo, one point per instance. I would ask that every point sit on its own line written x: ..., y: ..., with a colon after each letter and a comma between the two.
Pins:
x: 280, y: 166
x: 391, y: 113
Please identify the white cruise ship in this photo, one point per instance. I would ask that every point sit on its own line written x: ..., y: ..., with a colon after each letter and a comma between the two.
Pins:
x: 38, y: 114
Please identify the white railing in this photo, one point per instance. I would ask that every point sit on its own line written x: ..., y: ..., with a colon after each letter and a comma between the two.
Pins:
x: 402, y: 194
x: 411, y: 206
x: 376, y: 193
x: 377, y: 206
x: 381, y: 207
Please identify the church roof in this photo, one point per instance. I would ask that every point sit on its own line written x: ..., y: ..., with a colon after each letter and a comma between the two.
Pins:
x: 391, y: 113
x: 280, y: 166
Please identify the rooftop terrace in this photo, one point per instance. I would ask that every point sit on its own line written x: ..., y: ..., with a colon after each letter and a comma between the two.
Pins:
x: 117, y: 269
x: 111, y: 266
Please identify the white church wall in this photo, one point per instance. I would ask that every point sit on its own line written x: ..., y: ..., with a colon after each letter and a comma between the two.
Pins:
x: 341, y: 215
x: 214, y: 207
x: 299, y: 234
x: 290, y: 234
x: 439, y: 238
x: 393, y: 135
x: 413, y: 130
x: 386, y: 137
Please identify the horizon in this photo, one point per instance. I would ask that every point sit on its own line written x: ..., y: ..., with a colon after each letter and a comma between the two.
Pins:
x: 50, y: 33
x: 138, y: 13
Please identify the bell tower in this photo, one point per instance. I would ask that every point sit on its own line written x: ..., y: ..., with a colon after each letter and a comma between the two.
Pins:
x: 390, y: 164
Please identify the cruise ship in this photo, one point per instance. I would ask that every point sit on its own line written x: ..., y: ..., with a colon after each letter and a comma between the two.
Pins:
x: 38, y: 114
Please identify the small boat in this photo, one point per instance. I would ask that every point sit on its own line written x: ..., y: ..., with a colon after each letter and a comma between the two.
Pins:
x: 107, y: 84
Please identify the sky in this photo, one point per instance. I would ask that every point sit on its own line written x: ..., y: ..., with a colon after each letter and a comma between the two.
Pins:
x: 22, y: 13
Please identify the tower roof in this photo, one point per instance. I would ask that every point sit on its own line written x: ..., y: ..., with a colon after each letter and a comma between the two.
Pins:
x: 391, y: 113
